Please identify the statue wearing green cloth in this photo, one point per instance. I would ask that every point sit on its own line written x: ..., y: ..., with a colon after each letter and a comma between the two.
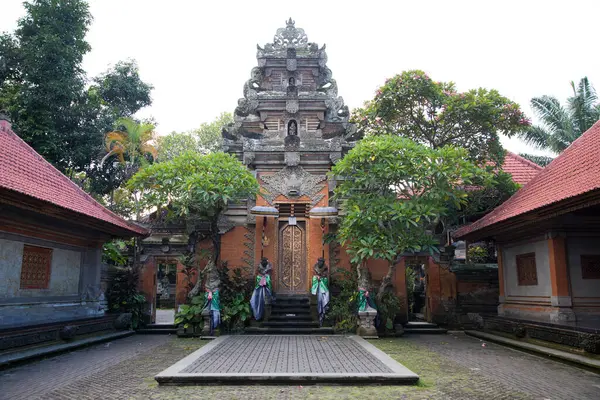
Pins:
x: 320, y: 288
x: 263, y: 288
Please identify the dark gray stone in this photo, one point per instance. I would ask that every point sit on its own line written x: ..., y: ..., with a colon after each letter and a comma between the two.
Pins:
x: 123, y: 321
x: 68, y: 332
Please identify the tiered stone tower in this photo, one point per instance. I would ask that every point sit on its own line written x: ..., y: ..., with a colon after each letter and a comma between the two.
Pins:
x: 290, y: 128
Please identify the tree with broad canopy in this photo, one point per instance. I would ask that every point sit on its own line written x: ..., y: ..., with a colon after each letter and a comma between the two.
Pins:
x: 433, y: 113
x: 193, y: 186
x: 393, y: 190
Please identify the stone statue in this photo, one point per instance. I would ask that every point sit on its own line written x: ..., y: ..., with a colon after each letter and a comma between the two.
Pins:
x: 292, y: 128
x: 263, y: 289
x: 265, y: 267
x: 212, y: 302
x: 320, y: 267
x: 320, y: 288
x: 367, y: 310
x: 292, y: 81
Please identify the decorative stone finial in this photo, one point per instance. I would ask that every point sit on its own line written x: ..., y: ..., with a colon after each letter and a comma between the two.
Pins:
x: 290, y: 23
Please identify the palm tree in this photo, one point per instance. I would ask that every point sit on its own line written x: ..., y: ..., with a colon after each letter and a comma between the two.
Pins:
x: 131, y: 143
x: 560, y: 126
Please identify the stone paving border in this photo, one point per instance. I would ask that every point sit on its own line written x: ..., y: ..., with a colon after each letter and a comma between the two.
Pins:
x: 541, y: 350
x: 38, y: 352
x: 398, y: 375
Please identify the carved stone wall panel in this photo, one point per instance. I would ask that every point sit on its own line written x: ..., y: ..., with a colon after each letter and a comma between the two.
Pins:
x: 293, y: 182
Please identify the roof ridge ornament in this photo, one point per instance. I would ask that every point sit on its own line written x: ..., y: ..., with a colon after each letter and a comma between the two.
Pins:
x: 290, y: 36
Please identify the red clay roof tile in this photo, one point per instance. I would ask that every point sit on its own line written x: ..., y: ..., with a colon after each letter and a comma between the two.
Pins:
x: 25, y: 171
x: 575, y: 172
x: 521, y: 169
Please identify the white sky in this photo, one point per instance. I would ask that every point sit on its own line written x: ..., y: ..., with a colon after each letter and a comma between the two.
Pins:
x: 198, y: 54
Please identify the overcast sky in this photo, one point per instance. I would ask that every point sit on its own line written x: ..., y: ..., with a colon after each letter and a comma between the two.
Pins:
x: 198, y: 54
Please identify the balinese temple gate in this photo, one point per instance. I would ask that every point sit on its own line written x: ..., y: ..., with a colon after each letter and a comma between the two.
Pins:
x: 290, y: 128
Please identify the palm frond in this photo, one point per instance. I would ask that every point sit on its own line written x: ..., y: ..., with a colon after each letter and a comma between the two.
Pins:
x: 114, y: 137
x: 536, y: 136
x: 582, y: 106
x: 149, y: 149
x: 550, y: 112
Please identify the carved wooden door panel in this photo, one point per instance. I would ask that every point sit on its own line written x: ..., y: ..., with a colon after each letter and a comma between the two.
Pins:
x: 292, y: 256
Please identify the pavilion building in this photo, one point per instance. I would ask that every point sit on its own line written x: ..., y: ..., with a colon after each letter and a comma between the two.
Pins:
x: 547, y: 238
x: 51, y: 237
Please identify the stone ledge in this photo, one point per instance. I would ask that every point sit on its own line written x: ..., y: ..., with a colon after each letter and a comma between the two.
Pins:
x: 542, y: 350
x: 360, y: 363
x: 39, y: 352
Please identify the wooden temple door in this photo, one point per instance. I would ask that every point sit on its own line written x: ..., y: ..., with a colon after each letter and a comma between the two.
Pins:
x: 291, y: 276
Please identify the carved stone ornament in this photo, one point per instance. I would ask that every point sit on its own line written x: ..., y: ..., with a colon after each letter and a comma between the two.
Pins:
x: 292, y: 158
x: 293, y: 181
x: 292, y: 106
x: 291, y: 64
x: 290, y: 36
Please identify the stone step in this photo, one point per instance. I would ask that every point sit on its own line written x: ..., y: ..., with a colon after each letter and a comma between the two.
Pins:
x: 420, y: 325
x: 428, y: 331
x: 299, y: 317
x: 283, y: 308
x: 292, y: 311
x: 161, y: 326
x: 290, y: 331
x: 146, y: 331
x: 290, y: 302
x: 290, y: 324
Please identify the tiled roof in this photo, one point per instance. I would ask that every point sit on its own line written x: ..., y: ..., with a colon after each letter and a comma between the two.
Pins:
x: 573, y: 173
x: 24, y: 171
x: 521, y: 169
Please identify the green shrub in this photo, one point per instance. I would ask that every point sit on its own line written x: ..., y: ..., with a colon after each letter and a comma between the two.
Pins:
x: 123, y: 295
x: 342, y: 313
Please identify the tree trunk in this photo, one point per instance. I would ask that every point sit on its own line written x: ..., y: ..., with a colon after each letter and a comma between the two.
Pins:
x: 212, y: 262
x: 387, y: 279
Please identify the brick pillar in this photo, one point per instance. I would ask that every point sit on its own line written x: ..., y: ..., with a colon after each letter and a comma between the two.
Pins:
x: 400, y: 286
x: 559, y: 279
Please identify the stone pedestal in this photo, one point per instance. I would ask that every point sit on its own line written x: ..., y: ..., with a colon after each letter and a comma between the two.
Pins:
x: 206, y: 322
x: 366, y: 322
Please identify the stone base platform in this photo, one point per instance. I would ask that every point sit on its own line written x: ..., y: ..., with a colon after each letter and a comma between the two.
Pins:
x: 283, y: 359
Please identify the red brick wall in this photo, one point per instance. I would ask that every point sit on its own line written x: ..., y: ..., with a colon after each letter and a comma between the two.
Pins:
x: 233, y: 245
x: 147, y: 284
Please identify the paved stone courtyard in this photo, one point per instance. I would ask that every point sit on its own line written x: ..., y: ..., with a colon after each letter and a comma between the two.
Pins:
x: 271, y: 354
x: 288, y: 358
x: 452, y: 366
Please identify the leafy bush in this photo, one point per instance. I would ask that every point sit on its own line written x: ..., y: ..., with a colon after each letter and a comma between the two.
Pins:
x: 123, y: 295
x: 388, y: 307
x: 343, y: 305
x: 235, y: 291
x: 477, y: 254
x: 112, y: 253
x: 191, y: 314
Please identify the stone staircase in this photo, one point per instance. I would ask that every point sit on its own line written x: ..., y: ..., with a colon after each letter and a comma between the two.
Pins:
x: 290, y: 315
x: 422, y: 327
x: 158, y: 329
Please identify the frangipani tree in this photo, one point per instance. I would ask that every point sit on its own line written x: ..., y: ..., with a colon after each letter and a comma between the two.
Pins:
x: 393, y: 190
x: 195, y: 186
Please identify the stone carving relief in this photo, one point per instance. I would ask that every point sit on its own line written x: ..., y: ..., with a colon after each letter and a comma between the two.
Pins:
x: 292, y: 106
x: 293, y: 181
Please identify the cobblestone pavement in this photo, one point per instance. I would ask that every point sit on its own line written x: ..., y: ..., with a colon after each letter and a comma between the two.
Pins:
x: 451, y: 367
